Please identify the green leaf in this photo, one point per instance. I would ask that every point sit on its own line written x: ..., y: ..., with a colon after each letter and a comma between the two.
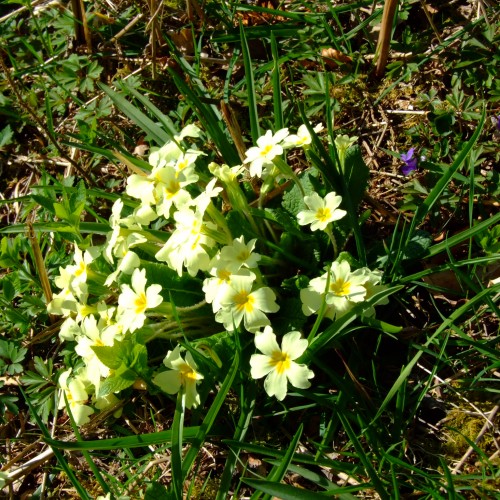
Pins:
x: 284, y: 491
x: 454, y: 240
x: 121, y: 443
x: 442, y: 122
x: 60, y: 456
x: 163, y: 119
x: 278, y: 472
x: 356, y: 175
x: 417, y: 246
x: 77, y: 200
x: 293, y: 199
x: 277, y: 100
x: 184, y: 290
x: 44, y: 201
x: 122, y: 379
x: 208, y: 115
x: 335, y: 330
x: 250, y: 91
x: 8, y: 289
x: 440, y: 186
x: 363, y: 457
x: 110, y: 356
x: 6, y: 135
x: 154, y: 131
x: 61, y: 212
x: 210, y: 416
x: 176, y: 448
x: 156, y: 491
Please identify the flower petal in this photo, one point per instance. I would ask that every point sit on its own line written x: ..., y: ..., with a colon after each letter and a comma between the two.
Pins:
x: 266, y: 341
x: 293, y: 345
x: 276, y: 385
x: 260, y: 365
x: 168, y: 381
x: 299, y: 376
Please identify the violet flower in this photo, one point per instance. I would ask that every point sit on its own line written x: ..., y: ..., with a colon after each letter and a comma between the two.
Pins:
x: 410, y: 162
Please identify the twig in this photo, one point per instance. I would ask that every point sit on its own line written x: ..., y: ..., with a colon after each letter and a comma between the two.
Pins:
x: 124, y: 31
x: 431, y: 22
x: 384, y: 39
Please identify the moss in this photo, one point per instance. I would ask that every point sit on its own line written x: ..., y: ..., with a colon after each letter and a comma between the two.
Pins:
x: 461, y: 429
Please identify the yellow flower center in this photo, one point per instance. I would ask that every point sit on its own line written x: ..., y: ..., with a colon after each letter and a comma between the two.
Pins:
x: 266, y: 150
x: 195, y: 228
x: 243, y: 255
x: 172, y: 189
x: 244, y: 301
x: 71, y: 400
x: 340, y: 287
x: 280, y: 361
x: 196, y: 241
x: 224, y: 275
x: 182, y: 164
x: 86, y: 310
x: 323, y: 214
x: 188, y: 374
x: 82, y: 267
x: 141, y: 303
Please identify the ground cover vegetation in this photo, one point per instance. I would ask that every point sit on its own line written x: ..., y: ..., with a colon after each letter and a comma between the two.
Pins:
x: 249, y: 249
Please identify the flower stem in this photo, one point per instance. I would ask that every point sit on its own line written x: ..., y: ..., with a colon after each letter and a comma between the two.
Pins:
x: 329, y: 232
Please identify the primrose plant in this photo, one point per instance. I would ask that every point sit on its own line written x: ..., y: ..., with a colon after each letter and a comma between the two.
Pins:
x: 193, y: 267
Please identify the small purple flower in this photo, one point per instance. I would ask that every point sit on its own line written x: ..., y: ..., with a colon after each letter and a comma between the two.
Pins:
x: 410, y: 162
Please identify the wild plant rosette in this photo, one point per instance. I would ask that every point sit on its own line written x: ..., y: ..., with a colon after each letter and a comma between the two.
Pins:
x: 202, y: 259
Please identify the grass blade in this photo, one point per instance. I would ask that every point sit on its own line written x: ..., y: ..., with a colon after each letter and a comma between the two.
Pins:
x: 176, y: 449
x: 140, y: 441
x: 152, y: 129
x: 437, y: 190
x: 247, y: 408
x: 210, y: 121
x: 277, y: 101
x: 360, y: 453
x: 252, y: 103
x: 286, y: 491
x: 334, y: 331
x: 210, y: 417
x: 278, y: 471
x: 59, y: 456
x: 162, y: 118
x: 447, y: 323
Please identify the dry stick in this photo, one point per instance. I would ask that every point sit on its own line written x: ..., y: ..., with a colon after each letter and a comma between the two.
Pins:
x: 14, y: 13
x: 153, y: 39
x: 41, y: 127
x: 234, y: 128
x: 125, y: 30
x: 82, y: 34
x: 450, y: 387
x: 193, y: 4
x: 46, y: 455
x: 39, y: 262
x: 482, y: 432
x: 384, y: 38
x: 431, y: 22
